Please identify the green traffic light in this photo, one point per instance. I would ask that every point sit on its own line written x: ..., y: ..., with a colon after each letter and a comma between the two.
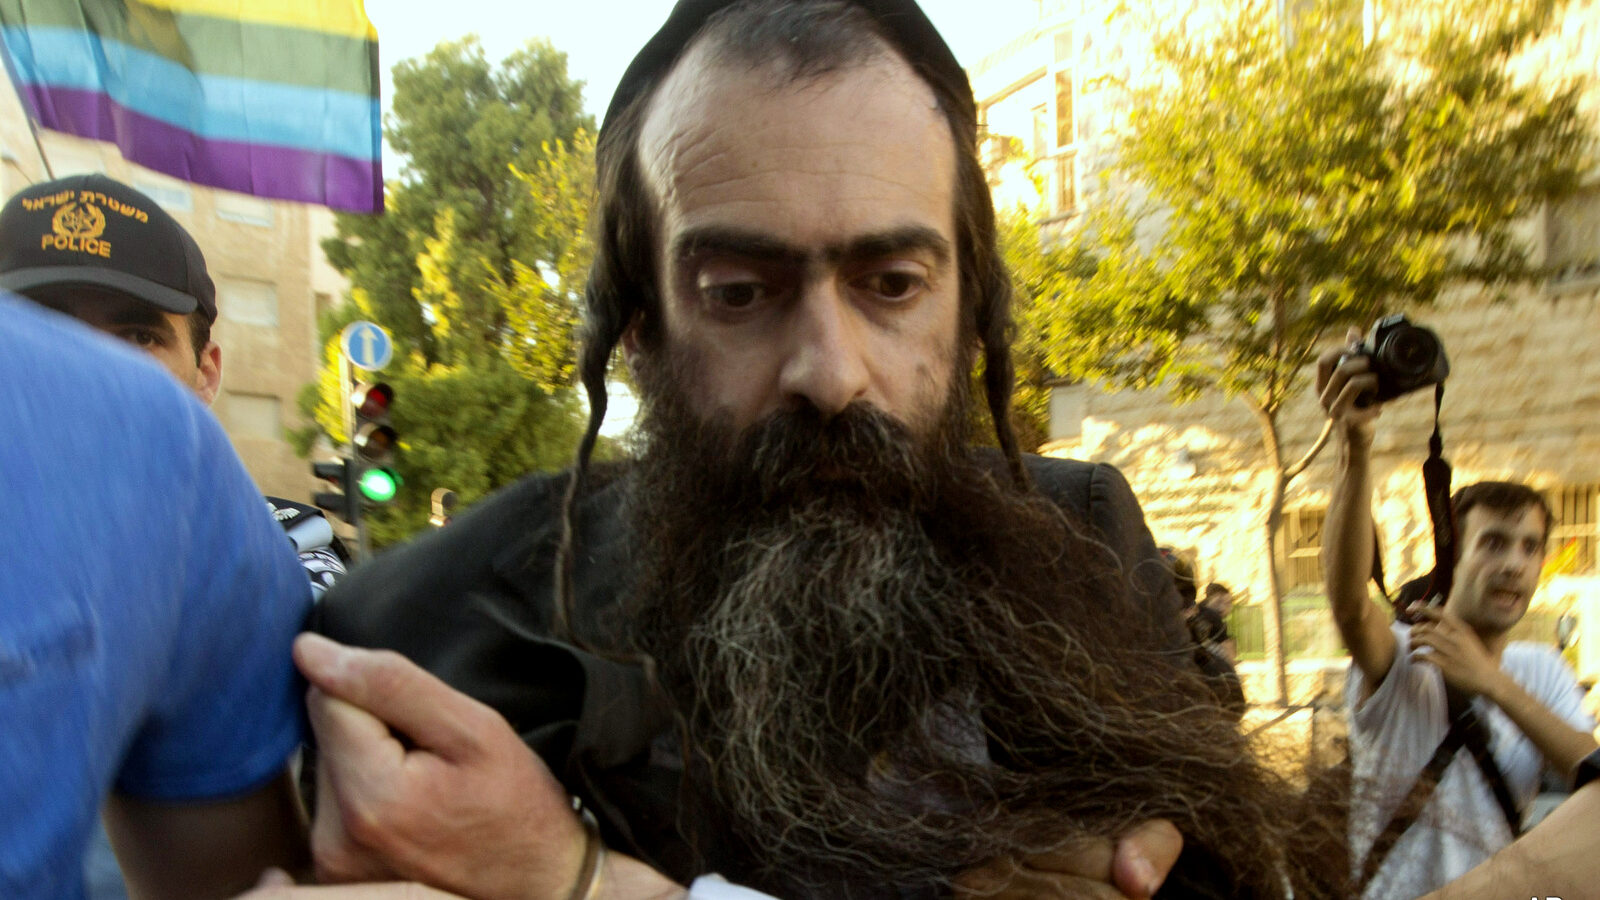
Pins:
x: 379, y: 485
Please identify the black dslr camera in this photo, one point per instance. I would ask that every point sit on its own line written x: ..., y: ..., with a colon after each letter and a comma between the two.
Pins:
x: 1403, y: 356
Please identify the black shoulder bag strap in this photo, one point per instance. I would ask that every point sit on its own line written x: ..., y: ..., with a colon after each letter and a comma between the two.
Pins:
x: 1476, y: 740
x: 1466, y: 730
x: 1410, y: 808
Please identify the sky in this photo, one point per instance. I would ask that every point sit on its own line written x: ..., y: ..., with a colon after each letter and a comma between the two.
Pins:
x: 601, y: 36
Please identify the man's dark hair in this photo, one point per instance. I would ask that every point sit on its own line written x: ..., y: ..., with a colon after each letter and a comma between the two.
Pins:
x: 1214, y: 589
x: 199, y: 333
x: 1505, y: 497
x: 802, y: 40
x: 1413, y: 591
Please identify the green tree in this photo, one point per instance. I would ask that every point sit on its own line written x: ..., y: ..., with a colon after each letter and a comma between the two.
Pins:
x: 1041, y: 270
x: 475, y: 268
x: 1296, y: 188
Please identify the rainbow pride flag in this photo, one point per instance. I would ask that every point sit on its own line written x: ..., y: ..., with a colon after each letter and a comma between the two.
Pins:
x: 277, y: 98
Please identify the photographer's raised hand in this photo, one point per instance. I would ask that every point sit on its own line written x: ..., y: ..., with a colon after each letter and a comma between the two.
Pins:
x: 464, y: 805
x: 1347, y: 545
x: 1342, y: 378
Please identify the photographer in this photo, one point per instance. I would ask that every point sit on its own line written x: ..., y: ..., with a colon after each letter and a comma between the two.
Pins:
x: 1427, y: 803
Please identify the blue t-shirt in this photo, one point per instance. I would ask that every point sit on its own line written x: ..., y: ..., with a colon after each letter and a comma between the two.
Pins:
x: 147, y: 601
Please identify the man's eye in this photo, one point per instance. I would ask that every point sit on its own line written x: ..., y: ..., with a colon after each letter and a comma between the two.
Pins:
x: 892, y: 286
x: 142, y: 337
x: 734, y: 296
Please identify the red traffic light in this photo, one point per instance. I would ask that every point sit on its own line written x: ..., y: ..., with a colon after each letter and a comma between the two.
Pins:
x: 375, y: 441
x: 371, y: 401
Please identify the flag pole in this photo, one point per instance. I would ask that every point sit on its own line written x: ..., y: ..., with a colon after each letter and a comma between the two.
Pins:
x: 33, y: 127
x: 28, y: 113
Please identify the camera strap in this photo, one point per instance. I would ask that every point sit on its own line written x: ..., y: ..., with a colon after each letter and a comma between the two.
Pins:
x: 1436, y: 482
x: 1436, y: 487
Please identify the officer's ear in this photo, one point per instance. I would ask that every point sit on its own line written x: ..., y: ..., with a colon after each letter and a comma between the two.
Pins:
x: 208, y: 373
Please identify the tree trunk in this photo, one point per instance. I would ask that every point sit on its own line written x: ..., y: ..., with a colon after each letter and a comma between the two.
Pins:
x: 1272, y: 624
x: 1273, y: 619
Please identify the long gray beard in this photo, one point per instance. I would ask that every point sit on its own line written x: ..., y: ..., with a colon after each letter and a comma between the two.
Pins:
x: 835, y: 673
x: 891, y: 667
x: 825, y: 617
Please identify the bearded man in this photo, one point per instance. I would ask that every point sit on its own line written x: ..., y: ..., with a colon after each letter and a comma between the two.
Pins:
x: 809, y: 639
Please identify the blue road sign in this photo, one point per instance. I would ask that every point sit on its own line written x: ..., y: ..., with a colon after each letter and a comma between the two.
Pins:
x: 366, y: 345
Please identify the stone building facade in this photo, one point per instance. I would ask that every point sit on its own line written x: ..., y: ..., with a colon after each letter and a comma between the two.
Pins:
x: 272, y: 281
x: 1523, y: 399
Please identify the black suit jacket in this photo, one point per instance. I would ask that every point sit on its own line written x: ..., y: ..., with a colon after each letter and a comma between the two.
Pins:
x: 472, y: 603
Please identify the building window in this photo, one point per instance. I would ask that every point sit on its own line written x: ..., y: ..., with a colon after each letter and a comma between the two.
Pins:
x: 1041, y: 131
x: 1065, y: 132
x: 1061, y: 128
x: 255, y: 416
x: 1065, y: 180
x: 324, y: 301
x: 1300, y: 550
x: 170, y: 194
x: 1308, y: 628
x: 1062, y: 46
x: 65, y: 162
x: 244, y: 209
x: 1063, y: 55
x: 247, y: 301
x: 1573, y: 533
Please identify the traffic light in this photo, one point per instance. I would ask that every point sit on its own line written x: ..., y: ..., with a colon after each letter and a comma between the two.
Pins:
x: 366, y: 477
x: 373, y: 439
x: 344, y: 502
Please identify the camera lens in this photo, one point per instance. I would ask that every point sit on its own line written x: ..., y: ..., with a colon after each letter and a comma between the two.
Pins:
x: 1410, y: 352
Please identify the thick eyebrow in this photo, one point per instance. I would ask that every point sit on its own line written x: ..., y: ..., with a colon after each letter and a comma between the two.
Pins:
x: 141, y: 314
x: 723, y: 240
x: 906, y: 239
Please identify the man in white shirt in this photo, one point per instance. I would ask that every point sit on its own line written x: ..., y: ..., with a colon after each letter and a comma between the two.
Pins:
x: 1525, y: 694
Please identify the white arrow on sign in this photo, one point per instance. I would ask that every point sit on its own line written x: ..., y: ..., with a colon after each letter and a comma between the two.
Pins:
x: 366, y: 345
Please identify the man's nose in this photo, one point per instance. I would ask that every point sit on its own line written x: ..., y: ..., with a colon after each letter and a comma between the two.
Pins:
x: 1519, y: 561
x: 824, y: 363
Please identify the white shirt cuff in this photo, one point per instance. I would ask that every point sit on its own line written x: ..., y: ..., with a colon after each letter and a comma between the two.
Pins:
x: 714, y: 887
